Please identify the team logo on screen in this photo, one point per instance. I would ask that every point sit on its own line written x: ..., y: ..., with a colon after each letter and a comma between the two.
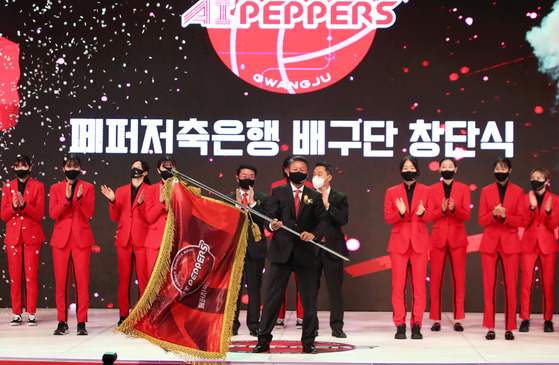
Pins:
x: 291, y: 46
x: 191, y: 268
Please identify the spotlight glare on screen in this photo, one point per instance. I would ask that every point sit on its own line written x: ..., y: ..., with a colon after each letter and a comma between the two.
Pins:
x: 353, y: 244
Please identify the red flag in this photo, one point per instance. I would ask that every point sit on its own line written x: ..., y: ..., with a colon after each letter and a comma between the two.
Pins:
x: 189, y: 304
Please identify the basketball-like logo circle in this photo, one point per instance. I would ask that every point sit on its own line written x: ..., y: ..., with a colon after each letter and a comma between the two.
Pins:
x: 191, y: 267
x: 291, y: 46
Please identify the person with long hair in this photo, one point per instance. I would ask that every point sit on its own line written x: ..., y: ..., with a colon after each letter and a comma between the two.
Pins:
x: 132, y: 231
x: 539, y: 248
x: 406, y: 207
x: 451, y: 207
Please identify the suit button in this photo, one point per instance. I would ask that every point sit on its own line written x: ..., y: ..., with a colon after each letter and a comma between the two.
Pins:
x: 409, y: 220
x: 130, y: 216
x: 538, y: 225
x: 70, y: 216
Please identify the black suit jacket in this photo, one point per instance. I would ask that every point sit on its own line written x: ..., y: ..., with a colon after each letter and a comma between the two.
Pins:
x: 336, y: 216
x: 257, y: 249
x: 311, y: 218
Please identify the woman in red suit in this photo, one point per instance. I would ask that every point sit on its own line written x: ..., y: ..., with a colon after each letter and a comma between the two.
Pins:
x: 406, y: 207
x: 156, y: 212
x: 23, y: 208
x: 450, y: 201
x: 501, y: 212
x: 539, y: 248
x: 72, y: 203
x: 131, y: 234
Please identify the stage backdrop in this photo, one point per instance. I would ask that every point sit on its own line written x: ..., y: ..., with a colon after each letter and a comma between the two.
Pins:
x: 218, y: 83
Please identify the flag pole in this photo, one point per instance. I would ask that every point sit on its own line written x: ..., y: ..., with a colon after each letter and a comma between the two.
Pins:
x: 246, y: 207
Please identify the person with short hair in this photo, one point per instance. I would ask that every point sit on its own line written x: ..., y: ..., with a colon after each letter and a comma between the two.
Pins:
x: 23, y: 208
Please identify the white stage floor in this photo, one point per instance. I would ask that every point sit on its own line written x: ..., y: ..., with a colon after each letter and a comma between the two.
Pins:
x: 371, y: 334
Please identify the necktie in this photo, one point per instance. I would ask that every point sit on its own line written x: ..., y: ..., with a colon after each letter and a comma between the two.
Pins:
x: 245, y: 199
x: 297, y: 202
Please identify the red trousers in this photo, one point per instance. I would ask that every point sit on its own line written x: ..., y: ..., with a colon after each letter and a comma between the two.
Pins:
x: 128, y: 256
x: 457, y: 259
x: 78, y: 259
x: 414, y: 264
x: 23, y: 256
x: 151, y: 258
x: 298, y: 305
x: 509, y: 263
x: 529, y: 263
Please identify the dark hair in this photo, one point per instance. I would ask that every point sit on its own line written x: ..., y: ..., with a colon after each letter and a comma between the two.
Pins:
x: 22, y: 159
x: 414, y: 162
x: 327, y: 166
x: 165, y: 159
x: 285, y: 164
x: 145, y: 167
x: 545, y: 172
x: 449, y: 159
x: 504, y: 160
x: 297, y: 158
x: 246, y: 166
x: 72, y: 160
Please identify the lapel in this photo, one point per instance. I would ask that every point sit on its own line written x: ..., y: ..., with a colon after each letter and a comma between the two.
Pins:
x: 135, y: 204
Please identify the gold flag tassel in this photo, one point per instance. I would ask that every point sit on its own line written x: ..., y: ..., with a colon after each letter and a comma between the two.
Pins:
x: 255, y: 230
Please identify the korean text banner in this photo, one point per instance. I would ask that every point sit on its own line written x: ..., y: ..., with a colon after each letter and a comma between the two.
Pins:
x: 190, y: 301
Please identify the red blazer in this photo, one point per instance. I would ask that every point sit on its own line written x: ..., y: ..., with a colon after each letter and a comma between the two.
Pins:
x: 155, y: 214
x: 495, y: 228
x: 72, y: 217
x: 132, y: 224
x: 410, y: 229
x: 540, y: 226
x: 449, y: 226
x: 24, y: 222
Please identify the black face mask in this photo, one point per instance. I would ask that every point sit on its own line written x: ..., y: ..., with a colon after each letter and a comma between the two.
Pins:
x: 537, y: 185
x: 501, y: 176
x: 409, y: 175
x: 134, y: 172
x: 22, y: 173
x: 297, y: 177
x: 72, y: 174
x: 246, y: 183
x: 165, y: 174
x: 447, y: 174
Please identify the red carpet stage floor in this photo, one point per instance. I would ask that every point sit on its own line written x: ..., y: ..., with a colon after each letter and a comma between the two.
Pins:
x: 370, y: 341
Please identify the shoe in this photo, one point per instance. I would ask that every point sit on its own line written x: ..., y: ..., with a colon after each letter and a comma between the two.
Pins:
x: 16, y: 320
x: 524, y: 326
x: 32, y: 320
x: 280, y: 322
x: 309, y: 348
x: 62, y: 329
x: 339, y: 334
x: 490, y: 335
x: 255, y: 332
x: 261, y: 347
x: 400, y: 332
x: 299, y: 322
x: 509, y: 336
x: 436, y: 327
x: 416, y: 332
x: 81, y: 329
x: 548, y: 326
x: 235, y: 332
x: 458, y: 327
x: 122, y: 319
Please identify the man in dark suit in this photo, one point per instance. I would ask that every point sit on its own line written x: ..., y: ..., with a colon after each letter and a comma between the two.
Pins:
x: 301, y: 209
x: 337, y: 210
x: 256, y: 250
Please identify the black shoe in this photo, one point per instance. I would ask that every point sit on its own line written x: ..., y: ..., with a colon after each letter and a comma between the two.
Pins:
x: 81, y: 329
x: 280, y: 322
x: 524, y: 326
x: 309, y: 348
x: 122, y: 319
x: 416, y: 332
x: 509, y: 336
x: 17, y: 320
x: 339, y: 334
x: 62, y: 329
x: 299, y: 322
x: 458, y: 327
x: 548, y: 326
x: 261, y: 347
x: 235, y: 332
x: 436, y: 327
x: 400, y: 332
x: 255, y: 332
x: 490, y: 335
